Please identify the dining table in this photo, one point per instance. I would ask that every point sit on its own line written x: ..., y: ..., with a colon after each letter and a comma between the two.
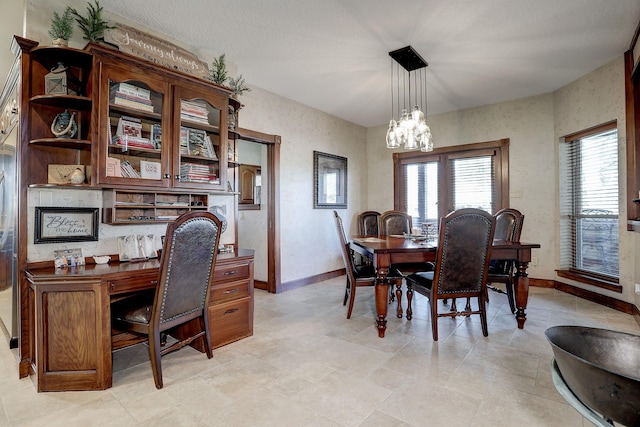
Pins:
x: 385, y: 251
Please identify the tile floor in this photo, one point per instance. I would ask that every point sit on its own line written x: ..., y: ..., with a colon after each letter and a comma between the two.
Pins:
x: 307, y: 365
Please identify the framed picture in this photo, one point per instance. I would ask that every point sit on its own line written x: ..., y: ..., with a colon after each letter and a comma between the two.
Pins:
x: 64, y: 258
x: 56, y: 225
x: 329, y: 181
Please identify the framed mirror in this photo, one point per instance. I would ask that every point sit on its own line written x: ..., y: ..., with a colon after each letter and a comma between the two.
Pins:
x: 329, y: 181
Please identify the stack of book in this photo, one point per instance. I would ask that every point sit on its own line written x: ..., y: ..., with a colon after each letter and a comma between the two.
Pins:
x: 194, y: 111
x: 128, y: 170
x: 132, y: 96
x: 194, y: 172
x: 129, y: 134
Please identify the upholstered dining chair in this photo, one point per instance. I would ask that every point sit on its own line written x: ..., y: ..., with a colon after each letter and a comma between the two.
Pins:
x: 368, y: 224
x: 357, y: 275
x: 394, y: 222
x: 509, y: 223
x: 460, y: 271
x: 186, y: 270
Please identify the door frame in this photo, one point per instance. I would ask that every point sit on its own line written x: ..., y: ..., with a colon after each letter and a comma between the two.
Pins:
x: 272, y: 180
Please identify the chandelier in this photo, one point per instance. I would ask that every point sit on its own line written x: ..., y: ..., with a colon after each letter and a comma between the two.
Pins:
x: 411, y: 128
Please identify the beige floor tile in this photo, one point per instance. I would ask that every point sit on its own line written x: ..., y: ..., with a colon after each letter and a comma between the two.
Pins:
x: 307, y: 365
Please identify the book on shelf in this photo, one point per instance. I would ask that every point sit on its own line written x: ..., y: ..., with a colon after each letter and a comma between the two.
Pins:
x: 132, y: 104
x: 198, y: 172
x: 197, y: 119
x: 210, y: 149
x: 130, y: 126
x: 132, y: 90
x: 156, y: 135
x: 184, y: 140
x: 113, y: 167
x: 198, y: 143
x: 128, y: 171
x: 127, y: 141
x: 121, y: 95
x: 150, y: 170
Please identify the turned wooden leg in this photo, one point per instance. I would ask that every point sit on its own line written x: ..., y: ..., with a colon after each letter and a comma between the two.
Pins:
x: 409, y: 299
x: 399, y: 298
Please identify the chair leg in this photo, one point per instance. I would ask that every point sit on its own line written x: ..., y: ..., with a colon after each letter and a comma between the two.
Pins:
x: 467, y: 307
x: 352, y: 298
x: 433, y: 303
x: 399, y: 297
x: 511, y: 297
x: 409, y: 299
x: 483, y: 315
x: 207, y: 337
x: 346, y: 293
x: 154, y: 354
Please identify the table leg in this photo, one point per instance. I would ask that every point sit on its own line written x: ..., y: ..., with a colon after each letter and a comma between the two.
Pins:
x: 382, y: 295
x: 521, y: 293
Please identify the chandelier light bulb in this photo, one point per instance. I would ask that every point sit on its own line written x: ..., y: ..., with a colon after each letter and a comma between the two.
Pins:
x: 392, y: 139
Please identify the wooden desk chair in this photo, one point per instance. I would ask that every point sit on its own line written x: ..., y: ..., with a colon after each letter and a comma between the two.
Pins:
x: 186, y: 270
x: 368, y: 224
x: 462, y: 262
x: 508, y: 227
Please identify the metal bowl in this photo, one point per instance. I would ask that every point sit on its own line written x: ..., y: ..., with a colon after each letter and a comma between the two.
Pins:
x: 602, y: 368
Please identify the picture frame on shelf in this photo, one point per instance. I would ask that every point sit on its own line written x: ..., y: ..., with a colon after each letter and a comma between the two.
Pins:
x: 63, y: 224
x: 64, y: 258
x: 329, y: 181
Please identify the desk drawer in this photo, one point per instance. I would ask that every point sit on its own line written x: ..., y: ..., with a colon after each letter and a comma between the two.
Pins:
x: 229, y: 291
x: 230, y: 272
x: 230, y: 321
x: 133, y: 284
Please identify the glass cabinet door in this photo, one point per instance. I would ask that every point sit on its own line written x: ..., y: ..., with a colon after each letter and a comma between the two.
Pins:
x: 134, y: 106
x: 201, y: 132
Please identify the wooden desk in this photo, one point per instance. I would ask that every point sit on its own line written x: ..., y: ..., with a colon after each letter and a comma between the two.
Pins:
x: 393, y: 250
x: 70, y: 332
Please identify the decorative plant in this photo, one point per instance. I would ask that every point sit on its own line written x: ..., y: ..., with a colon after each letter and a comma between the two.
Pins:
x: 218, y: 73
x: 238, y: 85
x: 93, y: 25
x: 61, y: 25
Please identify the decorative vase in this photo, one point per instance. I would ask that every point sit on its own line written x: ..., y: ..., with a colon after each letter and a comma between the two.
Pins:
x: 60, y: 42
x: 64, y: 125
x: 77, y: 176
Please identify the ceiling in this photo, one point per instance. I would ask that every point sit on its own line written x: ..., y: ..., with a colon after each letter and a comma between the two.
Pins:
x: 332, y: 55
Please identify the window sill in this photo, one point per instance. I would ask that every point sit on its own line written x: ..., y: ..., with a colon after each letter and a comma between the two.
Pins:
x: 597, y: 281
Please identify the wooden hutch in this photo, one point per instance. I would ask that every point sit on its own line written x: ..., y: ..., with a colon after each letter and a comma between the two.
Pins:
x: 173, y: 160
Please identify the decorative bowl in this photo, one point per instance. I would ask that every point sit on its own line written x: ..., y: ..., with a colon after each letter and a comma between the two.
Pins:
x: 101, y: 259
x: 600, y: 367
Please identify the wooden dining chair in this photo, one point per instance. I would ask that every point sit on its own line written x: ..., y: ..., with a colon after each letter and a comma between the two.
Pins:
x: 357, y: 275
x: 368, y: 224
x: 509, y: 223
x: 187, y: 262
x: 462, y: 263
x: 394, y: 222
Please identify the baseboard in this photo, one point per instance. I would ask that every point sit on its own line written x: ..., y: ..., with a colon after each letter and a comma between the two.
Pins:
x: 607, y: 301
x: 294, y: 284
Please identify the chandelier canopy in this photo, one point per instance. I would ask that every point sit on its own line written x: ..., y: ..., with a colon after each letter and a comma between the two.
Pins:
x: 411, y: 128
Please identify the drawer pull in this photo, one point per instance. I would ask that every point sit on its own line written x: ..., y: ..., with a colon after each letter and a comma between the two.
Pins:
x: 228, y: 273
x: 233, y: 310
x: 231, y: 291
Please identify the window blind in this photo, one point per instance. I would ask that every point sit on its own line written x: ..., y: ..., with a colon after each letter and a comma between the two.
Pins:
x: 472, y: 183
x: 589, y: 203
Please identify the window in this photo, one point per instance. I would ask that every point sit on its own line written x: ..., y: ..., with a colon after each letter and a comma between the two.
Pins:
x: 589, y: 203
x: 430, y: 185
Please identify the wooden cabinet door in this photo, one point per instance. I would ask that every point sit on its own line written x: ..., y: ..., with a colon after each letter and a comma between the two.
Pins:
x: 200, y: 128
x: 134, y: 128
